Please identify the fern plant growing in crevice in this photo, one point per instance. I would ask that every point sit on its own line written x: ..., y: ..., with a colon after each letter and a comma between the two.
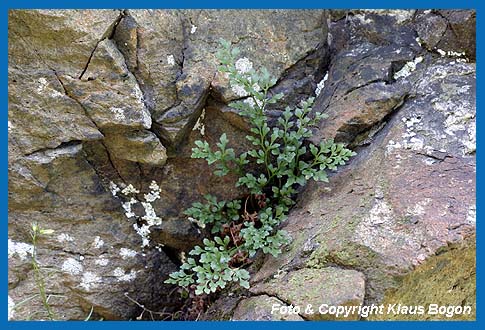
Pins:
x: 241, y: 228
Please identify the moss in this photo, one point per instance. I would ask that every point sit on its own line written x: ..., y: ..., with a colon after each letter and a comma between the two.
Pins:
x: 318, y: 258
x: 446, y: 279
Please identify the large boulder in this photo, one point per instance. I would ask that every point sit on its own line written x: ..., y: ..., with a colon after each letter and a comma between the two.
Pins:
x: 410, y: 191
x: 100, y: 96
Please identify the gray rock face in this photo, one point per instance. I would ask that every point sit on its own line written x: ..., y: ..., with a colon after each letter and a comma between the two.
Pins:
x: 406, y: 195
x: 108, y: 95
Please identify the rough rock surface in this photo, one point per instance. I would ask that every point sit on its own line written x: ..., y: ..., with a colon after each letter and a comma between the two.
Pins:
x: 411, y: 189
x: 108, y: 95
x: 448, y: 30
x: 92, y: 258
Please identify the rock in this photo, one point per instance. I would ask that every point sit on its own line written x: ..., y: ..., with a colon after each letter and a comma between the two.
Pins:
x: 137, y: 146
x: 448, y: 31
x: 361, y: 220
x: 359, y: 91
x: 259, y: 309
x: 109, y: 92
x: 92, y: 257
x: 121, y: 116
x: 121, y: 96
x: 41, y: 115
x: 383, y: 27
x: 172, y: 54
x: 447, y: 279
x: 315, y: 287
x: 359, y: 110
x: 38, y: 35
x: 430, y: 28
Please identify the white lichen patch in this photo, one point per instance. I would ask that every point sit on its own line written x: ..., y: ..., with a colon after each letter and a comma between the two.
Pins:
x: 101, y: 262
x: 329, y: 38
x: 127, y: 207
x: 11, y: 308
x: 98, y: 243
x: 381, y: 212
x: 144, y: 232
x: 63, y: 238
x: 89, y: 280
x: 199, y: 125
x: 150, y: 217
x: 459, y: 118
x: 379, y: 231
x: 146, y: 118
x: 20, y: 249
x: 321, y: 85
x: 408, y: 68
x: 429, y: 161
x: 410, y: 122
x: 127, y: 253
x: 170, y: 60
x: 419, y: 208
x: 391, y: 146
x: 441, y: 70
x: 411, y: 140
x: 414, y: 143
x: 72, y: 266
x: 460, y: 56
x: 43, y: 85
x: 471, y: 216
x: 154, y: 193
x: 456, y: 121
x: 400, y: 15
x: 10, y: 126
x: 130, y: 190
x: 193, y: 29
x: 121, y: 276
x: 118, y: 113
x: 113, y: 187
x: 358, y: 50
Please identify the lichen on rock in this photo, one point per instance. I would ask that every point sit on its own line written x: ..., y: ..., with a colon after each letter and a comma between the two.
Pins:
x: 100, y: 96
